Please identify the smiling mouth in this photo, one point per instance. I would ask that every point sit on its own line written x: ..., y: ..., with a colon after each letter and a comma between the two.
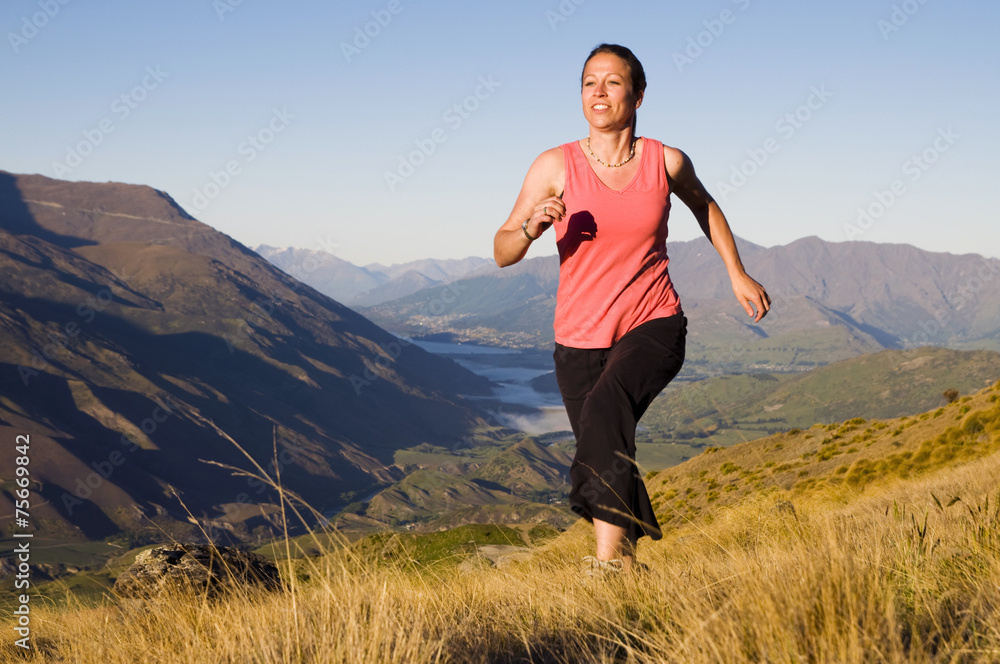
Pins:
x: 601, y: 107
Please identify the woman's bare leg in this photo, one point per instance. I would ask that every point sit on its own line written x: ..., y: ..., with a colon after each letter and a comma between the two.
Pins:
x: 613, y: 542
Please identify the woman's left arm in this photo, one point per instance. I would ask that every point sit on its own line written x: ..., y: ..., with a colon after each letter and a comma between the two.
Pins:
x: 685, y: 183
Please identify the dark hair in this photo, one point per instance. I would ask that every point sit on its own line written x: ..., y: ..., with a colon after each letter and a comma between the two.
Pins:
x: 635, y: 70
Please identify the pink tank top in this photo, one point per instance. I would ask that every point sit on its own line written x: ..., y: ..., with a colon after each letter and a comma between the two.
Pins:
x: 612, y: 251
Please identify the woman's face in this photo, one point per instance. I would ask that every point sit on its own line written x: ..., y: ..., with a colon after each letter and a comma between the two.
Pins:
x: 608, y: 99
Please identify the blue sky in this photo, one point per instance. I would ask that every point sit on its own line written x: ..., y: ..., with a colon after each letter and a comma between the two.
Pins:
x: 278, y: 122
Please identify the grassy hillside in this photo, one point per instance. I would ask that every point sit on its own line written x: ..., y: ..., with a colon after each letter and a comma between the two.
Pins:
x: 842, y: 457
x: 521, y: 481
x: 729, y: 409
x: 880, y: 542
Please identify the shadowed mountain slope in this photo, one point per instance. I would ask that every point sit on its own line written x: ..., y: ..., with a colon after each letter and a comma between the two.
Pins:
x: 136, y: 339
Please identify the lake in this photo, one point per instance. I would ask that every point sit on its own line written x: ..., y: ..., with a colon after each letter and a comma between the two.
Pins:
x: 535, y: 412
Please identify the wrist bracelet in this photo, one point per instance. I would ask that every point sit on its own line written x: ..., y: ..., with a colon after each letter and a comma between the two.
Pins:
x: 524, y: 227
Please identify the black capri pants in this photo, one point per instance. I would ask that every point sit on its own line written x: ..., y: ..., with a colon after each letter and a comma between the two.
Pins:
x: 606, y: 391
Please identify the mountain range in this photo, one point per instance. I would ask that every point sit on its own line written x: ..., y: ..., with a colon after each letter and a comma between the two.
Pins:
x: 139, y: 343
x: 368, y: 285
x: 831, y: 301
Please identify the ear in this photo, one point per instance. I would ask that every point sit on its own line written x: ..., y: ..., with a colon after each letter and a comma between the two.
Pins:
x: 638, y: 100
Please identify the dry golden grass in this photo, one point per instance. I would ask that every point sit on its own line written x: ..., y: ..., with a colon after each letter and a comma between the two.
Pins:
x: 834, y: 459
x: 898, y: 569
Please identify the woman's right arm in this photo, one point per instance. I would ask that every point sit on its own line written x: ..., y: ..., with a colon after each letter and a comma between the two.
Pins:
x: 539, y: 202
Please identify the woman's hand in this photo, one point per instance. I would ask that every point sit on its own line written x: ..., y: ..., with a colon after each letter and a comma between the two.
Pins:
x: 680, y: 172
x: 751, y: 295
x: 545, y: 214
x: 539, y: 204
